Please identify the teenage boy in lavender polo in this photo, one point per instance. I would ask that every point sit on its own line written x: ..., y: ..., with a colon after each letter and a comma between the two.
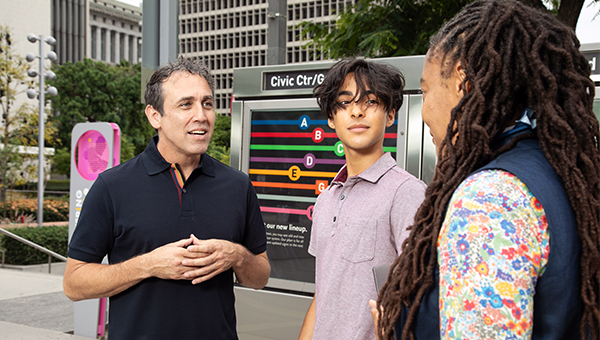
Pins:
x: 360, y: 220
x: 175, y: 223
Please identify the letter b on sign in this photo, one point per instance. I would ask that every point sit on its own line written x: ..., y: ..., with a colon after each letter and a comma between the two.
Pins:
x: 317, y: 136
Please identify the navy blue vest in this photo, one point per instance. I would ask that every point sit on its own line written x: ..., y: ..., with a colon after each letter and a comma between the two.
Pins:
x: 558, y: 306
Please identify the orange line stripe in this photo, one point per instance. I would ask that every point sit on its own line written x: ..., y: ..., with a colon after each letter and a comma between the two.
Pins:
x: 284, y: 185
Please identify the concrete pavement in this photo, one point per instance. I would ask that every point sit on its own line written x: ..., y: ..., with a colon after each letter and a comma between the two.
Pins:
x: 34, y: 307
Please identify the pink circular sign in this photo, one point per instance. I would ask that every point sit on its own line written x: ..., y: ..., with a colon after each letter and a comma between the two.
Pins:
x: 91, y: 155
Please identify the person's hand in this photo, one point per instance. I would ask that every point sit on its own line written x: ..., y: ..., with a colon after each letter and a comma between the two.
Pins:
x: 166, y: 262
x: 210, y: 258
x: 375, y: 316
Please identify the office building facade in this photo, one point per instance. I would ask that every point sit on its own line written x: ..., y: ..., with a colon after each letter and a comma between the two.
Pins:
x: 228, y: 34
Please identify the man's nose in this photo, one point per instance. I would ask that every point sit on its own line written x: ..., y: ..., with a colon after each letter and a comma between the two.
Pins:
x: 199, y: 114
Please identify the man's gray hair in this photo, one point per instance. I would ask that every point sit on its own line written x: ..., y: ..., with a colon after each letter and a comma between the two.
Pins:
x: 154, y: 95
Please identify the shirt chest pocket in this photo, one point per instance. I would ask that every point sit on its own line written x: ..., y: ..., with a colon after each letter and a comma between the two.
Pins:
x: 357, y: 239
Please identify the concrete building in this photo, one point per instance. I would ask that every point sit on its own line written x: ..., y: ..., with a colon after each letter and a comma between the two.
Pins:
x: 115, y: 31
x: 104, y: 30
x: 23, y: 18
x: 228, y: 34
x: 69, y: 26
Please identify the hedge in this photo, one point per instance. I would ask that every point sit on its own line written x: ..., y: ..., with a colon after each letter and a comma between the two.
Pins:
x: 55, y: 210
x: 54, y: 238
x: 51, y: 185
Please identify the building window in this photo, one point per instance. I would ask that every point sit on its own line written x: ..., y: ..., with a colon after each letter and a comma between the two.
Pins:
x: 112, y: 47
x: 103, y: 45
x: 94, y: 41
x: 121, y: 47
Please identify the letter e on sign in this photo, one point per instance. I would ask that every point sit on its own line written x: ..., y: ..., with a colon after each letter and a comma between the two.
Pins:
x: 294, y: 173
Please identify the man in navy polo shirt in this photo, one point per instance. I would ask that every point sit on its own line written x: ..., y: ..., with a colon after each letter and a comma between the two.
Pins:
x: 175, y: 224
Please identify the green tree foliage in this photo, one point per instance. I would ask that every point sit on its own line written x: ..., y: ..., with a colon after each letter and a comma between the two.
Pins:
x: 90, y: 91
x: 388, y: 28
x: 220, y: 141
x: 222, y: 132
x: 26, y: 133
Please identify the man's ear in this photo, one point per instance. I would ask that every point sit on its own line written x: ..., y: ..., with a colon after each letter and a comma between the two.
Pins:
x: 390, y: 117
x: 331, y: 123
x: 154, y: 117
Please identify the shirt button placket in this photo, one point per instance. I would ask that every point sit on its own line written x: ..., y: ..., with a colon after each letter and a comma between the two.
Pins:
x: 342, y: 196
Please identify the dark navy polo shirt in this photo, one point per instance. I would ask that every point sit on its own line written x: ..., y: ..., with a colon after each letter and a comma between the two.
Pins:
x: 136, y: 207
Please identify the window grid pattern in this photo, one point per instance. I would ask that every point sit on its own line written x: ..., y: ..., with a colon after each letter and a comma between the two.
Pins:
x: 228, y: 34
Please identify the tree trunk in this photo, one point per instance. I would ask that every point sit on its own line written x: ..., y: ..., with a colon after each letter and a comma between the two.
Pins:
x: 569, y: 12
x: 534, y: 3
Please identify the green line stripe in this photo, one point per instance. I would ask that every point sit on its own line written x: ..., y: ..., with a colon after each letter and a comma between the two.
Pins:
x: 292, y: 147
x: 287, y: 198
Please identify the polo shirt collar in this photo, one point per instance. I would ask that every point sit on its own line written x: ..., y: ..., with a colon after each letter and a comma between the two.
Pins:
x: 372, y: 174
x: 155, y: 163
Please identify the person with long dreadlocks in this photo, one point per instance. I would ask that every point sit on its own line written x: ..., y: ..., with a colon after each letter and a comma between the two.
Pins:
x: 506, y: 243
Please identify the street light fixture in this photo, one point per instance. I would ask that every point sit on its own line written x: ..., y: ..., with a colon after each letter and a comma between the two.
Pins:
x: 31, y: 94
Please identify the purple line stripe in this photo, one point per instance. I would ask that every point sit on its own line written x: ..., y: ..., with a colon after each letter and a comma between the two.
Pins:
x: 295, y: 160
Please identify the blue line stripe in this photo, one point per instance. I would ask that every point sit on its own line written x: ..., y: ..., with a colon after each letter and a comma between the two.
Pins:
x: 287, y: 122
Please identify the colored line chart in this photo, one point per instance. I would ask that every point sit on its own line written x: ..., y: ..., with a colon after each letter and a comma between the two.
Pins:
x: 293, y: 157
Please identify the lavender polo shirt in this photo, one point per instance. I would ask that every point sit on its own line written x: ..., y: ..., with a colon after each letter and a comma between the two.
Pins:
x: 358, y: 223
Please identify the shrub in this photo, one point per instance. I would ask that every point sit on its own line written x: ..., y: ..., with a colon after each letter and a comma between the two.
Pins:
x: 54, y: 238
x: 55, y: 210
x: 51, y: 185
x: 58, y: 185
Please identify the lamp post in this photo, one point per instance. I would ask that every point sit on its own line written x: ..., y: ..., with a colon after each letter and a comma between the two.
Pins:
x: 31, y: 94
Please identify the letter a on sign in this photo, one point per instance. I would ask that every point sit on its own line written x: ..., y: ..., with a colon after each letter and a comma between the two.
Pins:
x: 304, y: 123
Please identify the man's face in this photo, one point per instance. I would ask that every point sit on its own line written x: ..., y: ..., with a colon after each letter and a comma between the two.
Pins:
x: 360, y: 126
x: 440, y: 96
x: 187, y: 123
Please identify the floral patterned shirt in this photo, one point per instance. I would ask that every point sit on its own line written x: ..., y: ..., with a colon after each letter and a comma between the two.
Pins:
x: 492, y: 248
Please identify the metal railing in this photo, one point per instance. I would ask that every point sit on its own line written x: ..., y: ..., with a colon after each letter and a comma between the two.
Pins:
x: 36, y: 246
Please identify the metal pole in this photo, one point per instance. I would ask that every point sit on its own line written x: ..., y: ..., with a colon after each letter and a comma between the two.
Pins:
x: 40, y: 214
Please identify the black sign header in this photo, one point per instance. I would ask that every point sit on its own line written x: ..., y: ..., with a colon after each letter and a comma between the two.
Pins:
x: 593, y: 58
x: 293, y: 80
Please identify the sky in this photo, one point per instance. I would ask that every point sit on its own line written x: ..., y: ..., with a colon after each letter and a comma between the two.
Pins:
x: 588, y: 28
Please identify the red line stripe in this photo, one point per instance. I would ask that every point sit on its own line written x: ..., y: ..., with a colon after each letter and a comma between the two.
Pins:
x: 282, y: 134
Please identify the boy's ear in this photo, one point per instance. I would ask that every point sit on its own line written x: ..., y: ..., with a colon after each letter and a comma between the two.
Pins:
x: 390, y: 117
x: 331, y: 123
x: 154, y: 117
